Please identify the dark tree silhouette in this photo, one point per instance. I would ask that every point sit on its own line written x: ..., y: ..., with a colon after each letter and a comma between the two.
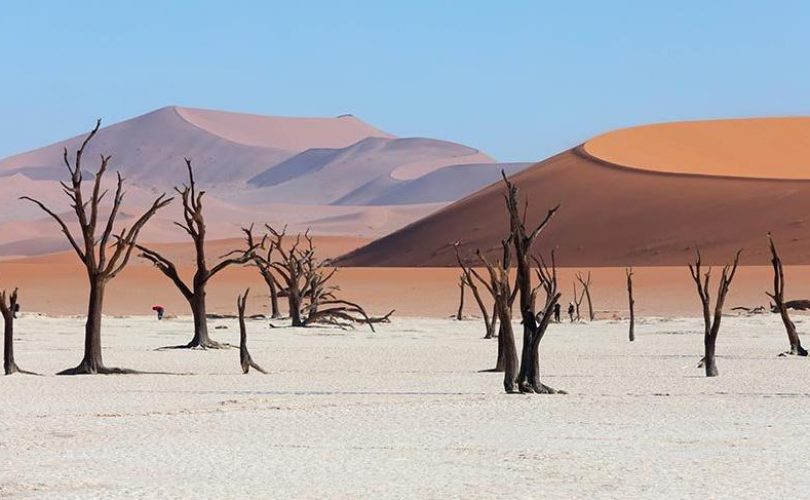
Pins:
x: 289, y: 266
x: 534, y: 325
x: 244, y: 356
x: 578, y: 296
x: 306, y: 279
x: 503, y: 297
x: 586, y: 288
x: 778, y: 297
x: 632, y: 334
x: 467, y: 278
x: 461, y: 287
x: 194, y: 225
x: 100, y: 267
x: 262, y: 263
x: 8, y: 305
x: 712, y: 324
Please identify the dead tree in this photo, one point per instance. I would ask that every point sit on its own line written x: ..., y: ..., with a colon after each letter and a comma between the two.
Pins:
x: 289, y: 266
x: 8, y: 304
x: 461, y: 287
x: 306, y: 279
x: 632, y: 334
x: 778, y: 297
x: 195, y: 293
x: 469, y: 281
x: 534, y: 325
x: 751, y: 310
x: 244, y: 356
x: 586, y: 288
x: 503, y: 296
x: 712, y: 323
x: 578, y: 301
x: 92, y: 249
x: 262, y: 262
x: 797, y: 305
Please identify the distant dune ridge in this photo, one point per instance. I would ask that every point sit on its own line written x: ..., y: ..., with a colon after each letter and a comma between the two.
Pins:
x: 644, y: 196
x: 336, y: 175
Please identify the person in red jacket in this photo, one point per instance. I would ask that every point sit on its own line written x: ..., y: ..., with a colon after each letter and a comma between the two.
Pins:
x: 159, y: 310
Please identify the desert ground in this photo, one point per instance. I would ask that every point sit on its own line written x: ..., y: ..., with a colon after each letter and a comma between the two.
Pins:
x: 56, y: 284
x: 406, y: 412
x: 410, y: 410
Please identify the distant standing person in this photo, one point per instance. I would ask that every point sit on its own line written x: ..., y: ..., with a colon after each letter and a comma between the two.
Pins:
x: 571, y: 311
x: 159, y: 310
x: 557, y: 312
x: 16, y: 310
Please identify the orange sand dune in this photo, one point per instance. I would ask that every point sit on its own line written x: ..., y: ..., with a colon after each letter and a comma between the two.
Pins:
x: 612, y: 215
x: 775, y: 148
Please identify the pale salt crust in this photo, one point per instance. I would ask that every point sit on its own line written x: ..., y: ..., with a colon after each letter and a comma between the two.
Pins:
x: 406, y: 413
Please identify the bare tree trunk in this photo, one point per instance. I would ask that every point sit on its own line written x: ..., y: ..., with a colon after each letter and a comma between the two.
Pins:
x: 507, y: 357
x: 507, y: 360
x: 460, y: 313
x: 778, y: 297
x: 200, y: 315
x: 712, y: 324
x: 629, y: 272
x: 586, y: 286
x: 591, y: 315
x: 501, y: 291
x: 270, y: 281
x: 92, y: 362
x: 92, y: 331
x: 8, y: 311
x: 488, y: 326
x: 275, y: 311
x: 294, y: 300
x: 467, y: 277
x: 9, y: 365
x: 709, y: 341
x: 494, y: 328
x: 244, y: 356
x: 796, y: 348
x: 8, y: 345
x: 500, y: 360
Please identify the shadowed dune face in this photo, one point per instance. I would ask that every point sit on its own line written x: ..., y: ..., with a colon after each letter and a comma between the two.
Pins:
x: 616, y: 216
x: 363, y: 171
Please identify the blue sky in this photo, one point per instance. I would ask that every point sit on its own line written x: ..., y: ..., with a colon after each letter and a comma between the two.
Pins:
x: 519, y: 79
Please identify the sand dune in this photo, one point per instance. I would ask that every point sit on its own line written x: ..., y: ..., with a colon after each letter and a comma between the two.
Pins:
x: 287, y: 133
x: 363, y: 171
x: 613, y: 215
x: 149, y: 150
x: 318, y: 173
x: 443, y: 185
x: 775, y: 148
x: 229, y: 149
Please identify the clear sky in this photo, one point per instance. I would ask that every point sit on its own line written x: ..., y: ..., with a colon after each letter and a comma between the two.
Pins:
x: 518, y: 79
